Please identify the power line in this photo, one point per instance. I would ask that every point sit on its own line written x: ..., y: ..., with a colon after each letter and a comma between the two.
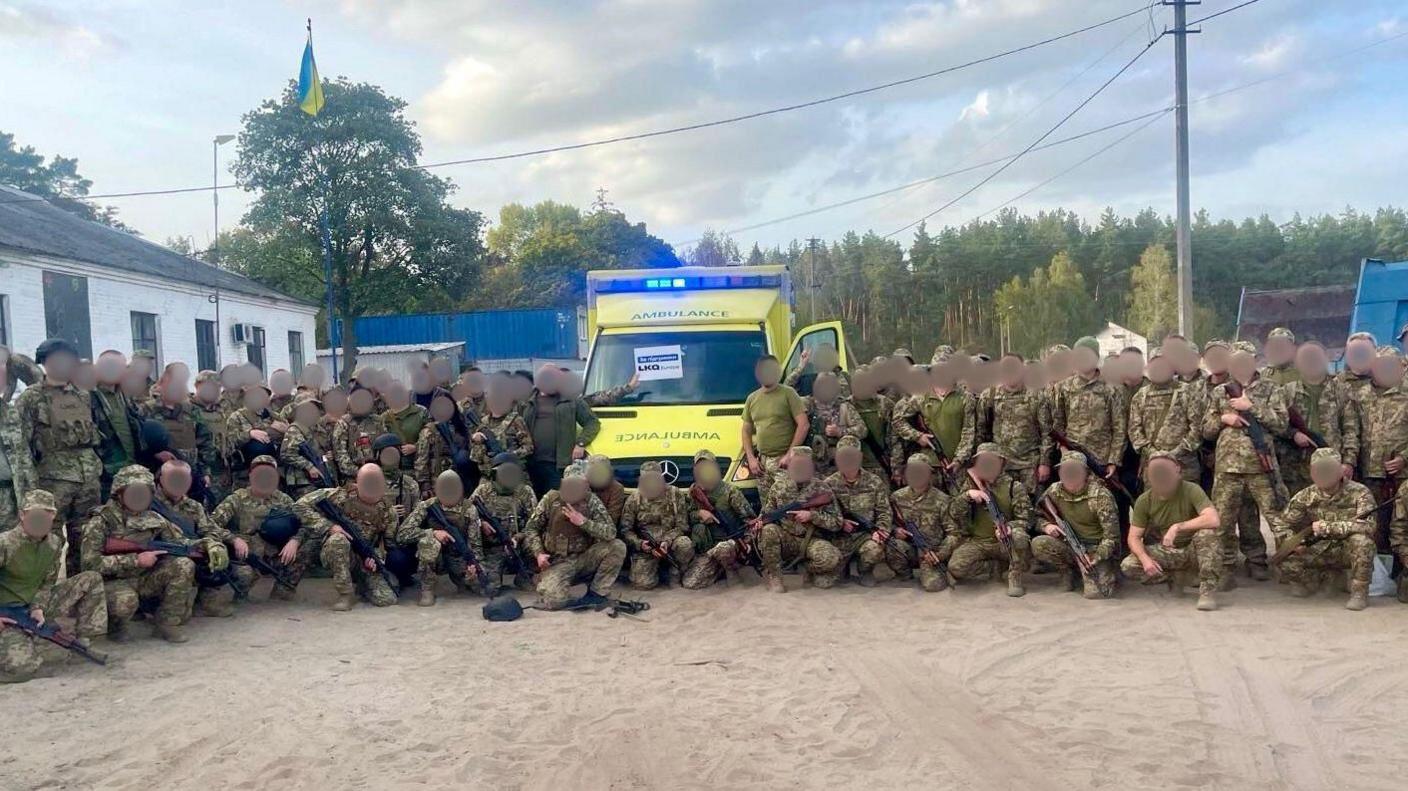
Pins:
x: 1224, y: 11
x: 1034, y: 144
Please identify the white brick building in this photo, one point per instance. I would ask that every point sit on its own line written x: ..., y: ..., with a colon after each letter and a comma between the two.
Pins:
x: 63, y: 276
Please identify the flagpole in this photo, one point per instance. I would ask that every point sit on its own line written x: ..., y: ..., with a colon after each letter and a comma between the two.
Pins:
x: 325, y: 236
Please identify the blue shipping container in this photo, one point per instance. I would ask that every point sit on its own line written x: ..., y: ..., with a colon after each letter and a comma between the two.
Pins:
x: 487, y: 335
x: 1381, y: 306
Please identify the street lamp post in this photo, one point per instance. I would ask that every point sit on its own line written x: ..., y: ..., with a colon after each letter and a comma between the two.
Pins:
x: 219, y: 140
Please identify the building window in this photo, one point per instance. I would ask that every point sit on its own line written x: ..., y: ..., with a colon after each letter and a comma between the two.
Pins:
x: 144, y: 336
x: 66, y: 310
x: 295, y: 352
x: 206, y: 354
x: 256, y: 349
x: 4, y: 320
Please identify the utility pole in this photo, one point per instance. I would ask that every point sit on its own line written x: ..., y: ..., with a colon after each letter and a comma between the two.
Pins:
x: 1183, y: 234
x: 811, y: 275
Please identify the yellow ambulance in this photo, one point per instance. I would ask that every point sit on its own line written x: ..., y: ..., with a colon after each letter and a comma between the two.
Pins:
x: 693, y: 335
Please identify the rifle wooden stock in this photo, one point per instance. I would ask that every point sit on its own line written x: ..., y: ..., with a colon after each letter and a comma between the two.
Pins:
x: 1001, y: 529
x: 1306, y: 535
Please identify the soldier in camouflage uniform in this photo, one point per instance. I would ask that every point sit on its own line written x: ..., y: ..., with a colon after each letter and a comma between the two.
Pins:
x: 240, y: 519
x: 172, y: 487
x: 364, y: 503
x: 281, y: 386
x: 499, y: 420
x: 831, y: 417
x: 56, y: 425
x: 1383, y: 409
x: 1239, y: 475
x: 1160, y: 419
x: 801, y: 536
x: 883, y: 453
x: 1398, y: 539
x: 976, y: 552
x: 30, y: 558
x: 301, y: 474
x: 1014, y: 417
x: 1088, y: 410
x: 404, y: 418
x: 510, y: 499
x: 1327, y: 409
x: 402, y: 492
x: 716, y: 551
x: 931, y: 512
x: 660, y: 512
x: 1182, y: 526
x: 16, y: 466
x: 949, y: 416
x: 15, y: 368
x: 130, y: 578
x: 1343, y: 539
x: 571, y: 537
x: 353, y: 435
x: 1359, y: 352
x: 471, y: 392
x: 190, y: 437
x: 1280, y: 352
x: 253, y: 431
x: 824, y: 360
x: 608, y: 397
x: 863, y: 497
x: 443, y: 439
x: 435, y: 546
x: 601, y: 476
x: 1089, y: 508
x: 205, y: 404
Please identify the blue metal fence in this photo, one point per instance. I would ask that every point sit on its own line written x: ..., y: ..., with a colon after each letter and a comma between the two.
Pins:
x: 487, y: 335
x: 1381, y: 306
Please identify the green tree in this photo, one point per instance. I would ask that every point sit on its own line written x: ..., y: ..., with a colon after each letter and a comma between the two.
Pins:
x: 1153, y: 295
x: 714, y: 249
x: 57, y: 179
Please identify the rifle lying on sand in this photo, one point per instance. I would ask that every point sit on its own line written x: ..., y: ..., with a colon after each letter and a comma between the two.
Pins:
x: 19, y: 613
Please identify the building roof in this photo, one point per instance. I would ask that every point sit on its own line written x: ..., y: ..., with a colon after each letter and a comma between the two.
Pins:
x: 36, y: 226
x: 1314, y: 313
x: 401, y: 348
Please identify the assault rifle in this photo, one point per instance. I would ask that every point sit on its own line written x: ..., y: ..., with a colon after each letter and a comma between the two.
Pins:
x: 916, y: 537
x: 360, y: 544
x: 1306, y: 535
x: 460, y: 547
x: 949, y: 477
x: 491, y: 442
x: 205, y: 577
x: 319, y: 463
x: 654, y: 547
x: 1298, y: 423
x: 1094, y: 463
x: 1068, y: 534
x: 733, y: 529
x: 19, y: 613
x: 515, y: 561
x: 818, y: 500
x: 1001, y: 529
x: 1265, y: 456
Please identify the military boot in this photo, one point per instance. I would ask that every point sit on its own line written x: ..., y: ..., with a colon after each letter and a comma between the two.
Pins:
x: 281, y: 593
x: 1071, y: 579
x: 1403, y: 587
x: 427, y: 596
x: 118, y: 631
x: 1258, y: 572
x: 1014, y: 584
x: 774, y: 582
x: 343, y: 603
x: 1358, y: 596
x: 1090, y: 589
x: 1228, y: 582
x: 171, y: 632
x: 1302, y: 589
x: 1207, y: 601
x: 214, y: 605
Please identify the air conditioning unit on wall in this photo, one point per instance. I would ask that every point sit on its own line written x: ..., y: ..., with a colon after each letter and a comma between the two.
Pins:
x: 242, y: 333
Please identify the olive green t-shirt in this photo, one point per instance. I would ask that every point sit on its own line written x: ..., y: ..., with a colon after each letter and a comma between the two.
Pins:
x: 1155, y: 515
x: 773, y: 416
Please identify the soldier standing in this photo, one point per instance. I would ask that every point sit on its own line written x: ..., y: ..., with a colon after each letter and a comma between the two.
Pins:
x: 56, y: 425
x: 941, y: 421
x: 444, y: 444
x: 977, y: 550
x: 1088, y: 410
x: 824, y: 360
x: 253, y: 430
x: 364, y: 504
x: 1182, y: 526
x: 353, y: 435
x: 654, y: 526
x: 1383, y: 408
x: 405, y: 419
x: 1280, y: 351
x: 205, y: 404
x: 1160, y: 419
x: 830, y: 418
x: 499, y: 421
x: 1344, y: 538
x: 473, y: 396
x: 1359, y: 352
x: 302, y: 448
x: 1325, y: 406
x: 774, y: 420
x: 717, y: 551
x: 281, y: 386
x: 1089, y: 508
x: 1013, y: 416
x: 571, y: 537
x: 114, y: 417
x: 882, y: 453
x: 928, y: 511
x: 864, y: 499
x: 800, y: 536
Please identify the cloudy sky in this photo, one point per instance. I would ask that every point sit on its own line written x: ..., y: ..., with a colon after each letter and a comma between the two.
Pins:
x: 136, y: 89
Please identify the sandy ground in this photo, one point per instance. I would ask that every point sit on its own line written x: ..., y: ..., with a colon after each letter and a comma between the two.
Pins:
x: 735, y: 688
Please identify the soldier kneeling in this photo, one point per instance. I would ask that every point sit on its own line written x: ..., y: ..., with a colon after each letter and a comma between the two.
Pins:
x: 718, y: 523
x: 1341, y: 515
x: 1090, y: 511
x: 924, y: 535
x: 800, y: 516
x: 572, y: 538
x: 655, y: 528
x: 1182, y: 524
x: 364, y: 507
x: 441, y: 529
x: 982, y: 545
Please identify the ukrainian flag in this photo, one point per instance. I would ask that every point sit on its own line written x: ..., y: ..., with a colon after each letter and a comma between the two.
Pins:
x: 310, y: 87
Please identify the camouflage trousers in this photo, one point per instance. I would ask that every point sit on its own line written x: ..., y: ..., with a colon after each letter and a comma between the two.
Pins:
x: 1354, y: 554
x: 9, y: 506
x: 496, y: 565
x: 1382, y: 489
x: 772, y: 467
x: 599, y: 566
x: 79, y: 596
x: 645, y: 567
x: 893, y: 560
x: 820, y: 558
x: 171, y: 582
x: 433, y: 558
x: 709, y: 565
x: 1233, y: 493
x: 349, y: 575
x: 1026, y: 477
x: 74, y: 501
x: 1054, y: 552
x: 269, y: 553
x: 1202, y: 556
x: 979, y: 559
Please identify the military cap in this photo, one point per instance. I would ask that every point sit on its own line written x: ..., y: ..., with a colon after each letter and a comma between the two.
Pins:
x: 1088, y: 342
x: 54, y: 346
x: 1216, y: 343
x: 903, y: 352
x: 704, y: 454
x: 1059, y: 348
x: 500, y: 459
x: 245, y: 388
x: 306, y: 398
x: 918, y: 458
x: 1167, y: 455
x: 1401, y: 332
x: 651, y: 468
x: 1072, y: 457
x: 131, y: 475
x: 1283, y: 333
x: 879, y: 359
x: 942, y: 353
x: 1155, y: 353
x: 1387, y: 351
x: 263, y: 461
x: 1326, y: 456
x: 207, y: 376
x: 385, y: 441
x: 1362, y: 336
x: 598, y: 458
x: 993, y: 448
x: 38, y: 500
x: 803, y: 451
x: 576, y: 470
x: 848, y: 442
x: 1244, y: 346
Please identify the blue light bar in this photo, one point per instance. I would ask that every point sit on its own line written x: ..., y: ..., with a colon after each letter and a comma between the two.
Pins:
x: 708, y: 282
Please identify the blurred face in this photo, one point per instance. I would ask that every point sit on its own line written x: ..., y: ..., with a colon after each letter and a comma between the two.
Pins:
x: 848, y: 461
x: 313, y: 377
x: 1011, y: 372
x: 371, y: 484
x: 175, y: 480
x: 442, y: 408
x: 389, y: 458
x: 652, y: 485
x: 1132, y: 366
x: 230, y: 377
x: 826, y: 388
x: 801, y: 469
x: 1279, y: 351
x: 335, y: 402
x: 460, y: 391
x: 1242, y: 367
x: 37, y: 522
x: 1359, y: 355
x: 546, y: 380
x: 134, y: 383
x: 1073, y: 475
x: 475, y: 380
x: 397, y: 396
x: 1164, y: 477
x: 569, y: 384
x: 1034, y: 376
x: 420, y: 380
x: 573, y: 490
x: 449, y: 489
x: 1160, y: 370
x: 863, y: 385
x: 1387, y: 371
x: 943, y: 376
x: 136, y: 498
x: 441, y: 372
x: 263, y: 480
x: 256, y: 399
x: 306, y: 415
x: 85, y: 377
x: 915, y: 381
x: 1217, y: 360
x: 60, y: 366
x: 110, y: 368
x: 250, y: 374
x: 1326, y: 474
x: 1312, y: 363
x: 825, y: 358
x: 499, y: 399
x: 1185, y: 360
x: 361, y: 402
x: 768, y: 373
x: 1059, y: 365
x: 508, y: 477
x: 988, y: 466
x: 707, y: 474
x: 143, y: 364
x: 176, y: 387
x: 599, y: 474
x: 918, y: 476
x: 1085, y: 360
x: 208, y: 392
x: 281, y: 382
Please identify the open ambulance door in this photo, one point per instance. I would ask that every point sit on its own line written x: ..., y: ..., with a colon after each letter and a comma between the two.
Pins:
x: 827, y: 333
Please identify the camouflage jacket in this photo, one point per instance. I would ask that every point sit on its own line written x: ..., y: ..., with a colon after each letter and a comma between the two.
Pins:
x: 838, y: 413
x: 1090, y: 412
x: 376, y: 521
x: 1398, y: 526
x: 352, y: 442
x: 1014, y: 502
x: 1234, y: 445
x: 550, y: 531
x: 15, y: 545
x: 932, y: 512
x: 868, y: 497
x: 1336, y: 509
x: 56, y: 425
x: 216, y: 424
x: 958, y: 445
x: 826, y: 520
x: 475, y: 405
x: 1018, y: 421
x: 608, y: 397
x: 297, y: 468
x: 242, y: 421
x: 880, y: 445
x: 1334, y: 414
x: 242, y: 514
x: 111, y: 521
x: 794, y: 379
x: 434, y: 455
x: 189, y: 434
x: 511, y: 432
x: 728, y: 500
x: 1279, y: 374
x: 613, y: 498
x: 1384, y: 413
x: 1160, y: 420
x: 407, y: 423
x: 663, y: 518
x: 463, y: 516
x: 1091, y: 513
x: 18, y: 368
x: 511, y: 508
x: 14, y: 452
x: 1355, y: 383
